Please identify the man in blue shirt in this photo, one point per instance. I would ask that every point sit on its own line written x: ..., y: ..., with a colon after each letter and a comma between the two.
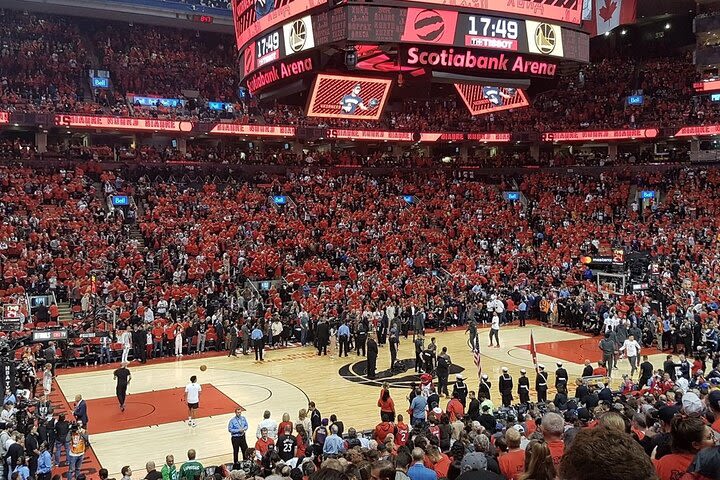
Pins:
x: 418, y: 406
x: 419, y: 471
x: 344, y: 337
x: 257, y: 338
x: 334, y: 445
x: 237, y: 427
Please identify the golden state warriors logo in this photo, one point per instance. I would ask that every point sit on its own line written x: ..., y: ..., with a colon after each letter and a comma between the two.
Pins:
x: 298, y: 35
x: 545, y: 39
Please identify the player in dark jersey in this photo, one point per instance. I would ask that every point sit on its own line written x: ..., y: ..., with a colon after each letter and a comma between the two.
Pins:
x: 286, y: 444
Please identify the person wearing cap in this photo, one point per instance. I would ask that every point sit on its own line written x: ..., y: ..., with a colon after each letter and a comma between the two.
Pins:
x: 512, y: 463
x: 474, y: 467
x: 505, y: 384
x: 418, y: 470
x: 541, y: 385
x: 524, y: 387
x: 487, y: 419
x: 460, y: 388
x: 484, y: 387
x: 561, y: 376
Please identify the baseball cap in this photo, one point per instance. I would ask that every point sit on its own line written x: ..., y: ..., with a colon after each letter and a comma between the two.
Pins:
x: 519, y: 428
x: 691, y: 404
x: 713, y: 399
x: 473, y: 461
x: 584, y: 414
x: 667, y: 413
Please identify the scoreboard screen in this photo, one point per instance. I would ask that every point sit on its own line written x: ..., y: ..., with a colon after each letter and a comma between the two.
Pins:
x: 255, y: 17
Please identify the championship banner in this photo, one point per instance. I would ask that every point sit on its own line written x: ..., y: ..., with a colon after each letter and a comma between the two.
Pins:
x: 121, y: 123
x: 484, y: 99
x: 355, y: 98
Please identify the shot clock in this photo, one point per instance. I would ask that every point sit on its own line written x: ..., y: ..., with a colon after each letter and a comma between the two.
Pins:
x: 267, y: 48
x: 484, y: 31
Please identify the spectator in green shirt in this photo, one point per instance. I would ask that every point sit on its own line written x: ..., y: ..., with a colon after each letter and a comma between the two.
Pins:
x: 192, y: 469
x: 169, y: 471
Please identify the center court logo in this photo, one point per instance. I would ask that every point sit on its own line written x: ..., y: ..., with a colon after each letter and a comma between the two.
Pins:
x: 402, y: 377
x: 545, y: 39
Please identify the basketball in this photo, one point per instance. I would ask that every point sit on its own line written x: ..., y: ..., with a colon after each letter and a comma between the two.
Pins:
x: 203, y: 368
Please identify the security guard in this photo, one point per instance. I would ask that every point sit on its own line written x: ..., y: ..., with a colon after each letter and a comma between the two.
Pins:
x: 506, y: 387
x: 524, y: 387
x: 485, y: 385
x: 561, y: 376
x: 541, y: 385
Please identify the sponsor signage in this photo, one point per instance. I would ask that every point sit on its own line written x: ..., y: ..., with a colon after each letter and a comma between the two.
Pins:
x: 593, y: 135
x: 554, y: 10
x: 698, y: 131
x: 647, y: 194
x: 253, y: 17
x: 121, y: 123
x: 706, y: 87
x: 100, y: 82
x: 355, y: 98
x: 484, y: 99
x: 468, y: 60
x: 253, y: 130
x: 639, y: 287
x: 4, y: 117
x: 635, y: 100
x: 438, y: 26
x: 596, y: 260
x: 11, y: 311
x: 279, y: 71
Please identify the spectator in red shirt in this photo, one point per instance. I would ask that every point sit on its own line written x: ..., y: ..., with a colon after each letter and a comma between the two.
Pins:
x: 688, y: 435
x: 553, y: 427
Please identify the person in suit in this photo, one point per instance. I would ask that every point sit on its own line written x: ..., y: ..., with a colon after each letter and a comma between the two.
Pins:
x: 323, y: 336
x: 80, y: 411
x: 588, y: 370
x: 372, y: 353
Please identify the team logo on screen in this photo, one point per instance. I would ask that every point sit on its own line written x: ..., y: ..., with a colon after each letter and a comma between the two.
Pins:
x: 298, y: 35
x: 545, y: 39
x: 429, y: 25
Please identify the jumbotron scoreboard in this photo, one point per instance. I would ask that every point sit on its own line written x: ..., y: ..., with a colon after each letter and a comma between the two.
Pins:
x: 348, y: 56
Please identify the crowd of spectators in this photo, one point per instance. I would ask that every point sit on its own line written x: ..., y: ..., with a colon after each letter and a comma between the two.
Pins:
x: 171, y: 63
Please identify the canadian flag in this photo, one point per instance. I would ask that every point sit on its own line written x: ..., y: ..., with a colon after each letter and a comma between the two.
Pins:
x: 608, y: 14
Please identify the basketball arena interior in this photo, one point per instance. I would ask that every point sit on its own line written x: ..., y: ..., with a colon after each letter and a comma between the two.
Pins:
x: 359, y: 240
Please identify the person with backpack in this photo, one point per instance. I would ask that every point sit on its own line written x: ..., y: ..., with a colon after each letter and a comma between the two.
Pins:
x: 442, y: 371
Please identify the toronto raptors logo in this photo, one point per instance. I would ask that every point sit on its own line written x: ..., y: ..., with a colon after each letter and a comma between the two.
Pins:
x: 429, y: 25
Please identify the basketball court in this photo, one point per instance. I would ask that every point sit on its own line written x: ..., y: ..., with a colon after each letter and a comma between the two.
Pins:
x: 154, y: 423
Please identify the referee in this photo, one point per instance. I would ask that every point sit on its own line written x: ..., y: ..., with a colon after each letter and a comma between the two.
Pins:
x: 123, y: 377
x: 237, y: 427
